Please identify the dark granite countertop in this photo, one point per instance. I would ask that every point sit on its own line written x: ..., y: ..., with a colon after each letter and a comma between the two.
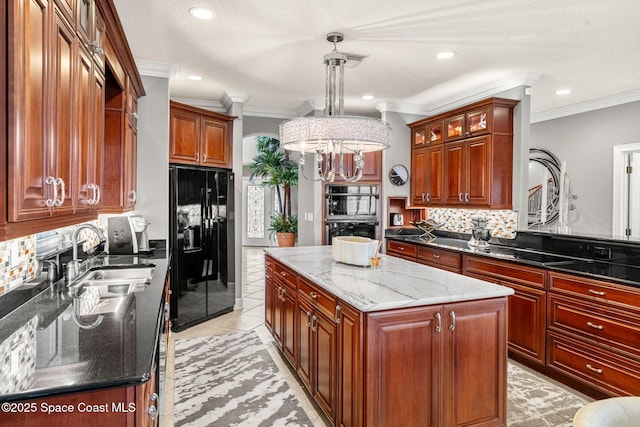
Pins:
x: 49, y: 346
x: 622, y: 268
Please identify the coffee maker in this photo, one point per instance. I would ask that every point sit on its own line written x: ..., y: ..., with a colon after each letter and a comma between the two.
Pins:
x: 139, y: 225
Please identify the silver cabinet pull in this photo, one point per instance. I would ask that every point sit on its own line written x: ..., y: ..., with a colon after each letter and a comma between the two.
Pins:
x: 153, y: 397
x: 337, y: 314
x: 197, y: 157
x: 313, y: 295
x: 452, y: 326
x: 594, y: 326
x: 49, y: 181
x: 132, y: 196
x: 314, y: 323
x: 594, y: 292
x: 152, y: 411
x: 428, y: 197
x: 596, y: 370
x: 436, y: 256
x: 308, y: 319
x: 460, y: 197
x: 59, y: 202
x: 439, y: 322
x: 466, y: 197
x: 95, y: 47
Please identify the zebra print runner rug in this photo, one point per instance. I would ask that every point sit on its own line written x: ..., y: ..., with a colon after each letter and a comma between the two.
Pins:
x: 231, y: 380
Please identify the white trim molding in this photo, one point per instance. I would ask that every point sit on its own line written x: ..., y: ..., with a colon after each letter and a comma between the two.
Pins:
x: 157, y: 69
x: 583, y: 107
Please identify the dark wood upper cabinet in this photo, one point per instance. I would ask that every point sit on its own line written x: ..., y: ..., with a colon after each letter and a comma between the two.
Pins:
x: 200, y: 137
x: 54, y: 92
x: 475, y: 165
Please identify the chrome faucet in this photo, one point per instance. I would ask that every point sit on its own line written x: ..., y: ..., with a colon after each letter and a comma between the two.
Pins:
x: 73, y: 266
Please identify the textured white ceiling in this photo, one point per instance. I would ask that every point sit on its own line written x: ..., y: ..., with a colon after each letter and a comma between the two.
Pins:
x: 271, y: 50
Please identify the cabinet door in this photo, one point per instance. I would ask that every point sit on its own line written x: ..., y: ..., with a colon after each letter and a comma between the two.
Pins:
x: 418, y: 136
x: 84, y: 191
x: 454, y: 128
x: 269, y: 301
x: 396, y: 368
x: 435, y: 132
x: 419, y: 177
x: 527, y: 322
x: 28, y: 150
x: 349, y: 398
x: 474, y: 387
x: 434, y: 174
x: 324, y: 355
x: 478, y: 122
x: 477, y: 171
x: 63, y: 60
x: 372, y: 170
x: 97, y: 137
x: 213, y: 143
x: 289, y: 309
x: 184, y: 137
x: 304, y: 366
x: 454, y: 166
x: 130, y: 164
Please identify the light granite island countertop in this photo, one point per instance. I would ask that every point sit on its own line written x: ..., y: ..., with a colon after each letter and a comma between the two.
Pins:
x: 395, y: 284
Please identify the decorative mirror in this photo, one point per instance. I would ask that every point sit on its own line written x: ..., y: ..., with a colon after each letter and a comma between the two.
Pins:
x: 544, y: 187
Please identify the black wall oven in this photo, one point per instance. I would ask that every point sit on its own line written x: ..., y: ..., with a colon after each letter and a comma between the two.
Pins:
x: 351, y: 210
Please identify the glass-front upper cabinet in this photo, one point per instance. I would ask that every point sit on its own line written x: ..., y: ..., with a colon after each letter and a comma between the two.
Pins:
x: 419, y: 136
x: 472, y: 123
x: 434, y: 130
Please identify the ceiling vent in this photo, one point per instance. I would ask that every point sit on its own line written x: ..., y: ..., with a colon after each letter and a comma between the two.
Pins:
x: 353, y: 59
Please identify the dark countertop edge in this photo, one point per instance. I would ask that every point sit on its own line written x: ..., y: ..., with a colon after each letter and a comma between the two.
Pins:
x: 131, y: 380
x: 563, y: 269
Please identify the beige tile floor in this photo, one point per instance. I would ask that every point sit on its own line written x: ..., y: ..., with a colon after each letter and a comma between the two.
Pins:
x: 249, y: 317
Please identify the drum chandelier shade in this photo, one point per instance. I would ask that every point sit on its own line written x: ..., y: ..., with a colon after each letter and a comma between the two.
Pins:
x: 333, y: 135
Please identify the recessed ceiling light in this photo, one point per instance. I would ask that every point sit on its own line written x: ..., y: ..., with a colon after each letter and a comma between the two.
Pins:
x: 563, y: 92
x: 367, y: 97
x: 201, y: 12
x: 194, y: 77
x: 446, y: 54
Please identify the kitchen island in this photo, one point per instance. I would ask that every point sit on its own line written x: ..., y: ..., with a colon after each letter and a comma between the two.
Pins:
x: 403, y: 344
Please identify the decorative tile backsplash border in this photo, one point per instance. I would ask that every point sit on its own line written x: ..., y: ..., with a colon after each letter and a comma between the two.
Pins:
x: 502, y: 223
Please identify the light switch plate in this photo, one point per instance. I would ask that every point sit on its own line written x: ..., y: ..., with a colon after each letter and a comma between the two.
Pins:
x: 14, y: 256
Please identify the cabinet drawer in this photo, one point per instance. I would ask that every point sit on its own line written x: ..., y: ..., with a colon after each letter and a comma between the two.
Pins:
x: 602, y: 370
x: 268, y: 264
x: 596, y: 290
x: 319, y: 298
x: 439, y: 257
x: 512, y: 272
x: 602, y: 324
x: 285, y: 275
x: 406, y: 250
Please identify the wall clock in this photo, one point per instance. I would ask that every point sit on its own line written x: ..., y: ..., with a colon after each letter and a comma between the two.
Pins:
x: 398, y: 175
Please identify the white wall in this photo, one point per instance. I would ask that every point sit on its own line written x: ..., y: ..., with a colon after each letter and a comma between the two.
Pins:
x: 586, y: 142
x: 153, y: 156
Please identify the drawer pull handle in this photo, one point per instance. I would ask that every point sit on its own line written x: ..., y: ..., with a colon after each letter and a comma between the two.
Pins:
x: 594, y: 292
x: 308, y: 319
x: 436, y: 256
x: 452, y: 326
x: 439, y: 324
x: 596, y: 370
x: 283, y: 273
x: 337, y: 314
x: 314, y: 319
x: 313, y: 295
x: 594, y: 326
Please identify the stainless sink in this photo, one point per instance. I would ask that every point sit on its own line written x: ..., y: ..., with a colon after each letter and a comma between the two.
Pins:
x: 114, y: 281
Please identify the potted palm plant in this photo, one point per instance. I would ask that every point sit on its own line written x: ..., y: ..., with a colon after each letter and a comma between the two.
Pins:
x: 281, y: 173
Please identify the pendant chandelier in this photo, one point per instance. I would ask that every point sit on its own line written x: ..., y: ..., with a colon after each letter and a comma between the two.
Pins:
x: 331, y: 136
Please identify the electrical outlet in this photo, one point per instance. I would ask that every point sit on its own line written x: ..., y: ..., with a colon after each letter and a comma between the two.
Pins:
x: 602, y: 252
x: 14, y: 256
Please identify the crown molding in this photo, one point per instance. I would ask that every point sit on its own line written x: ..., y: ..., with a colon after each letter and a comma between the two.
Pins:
x: 583, y: 107
x: 214, y: 106
x: 157, y: 69
x: 228, y: 99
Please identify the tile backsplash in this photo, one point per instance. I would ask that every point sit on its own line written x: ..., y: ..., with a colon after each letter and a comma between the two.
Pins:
x: 18, y: 262
x: 502, y: 223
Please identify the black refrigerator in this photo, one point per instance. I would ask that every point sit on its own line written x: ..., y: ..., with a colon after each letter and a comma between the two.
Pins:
x: 201, y: 238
